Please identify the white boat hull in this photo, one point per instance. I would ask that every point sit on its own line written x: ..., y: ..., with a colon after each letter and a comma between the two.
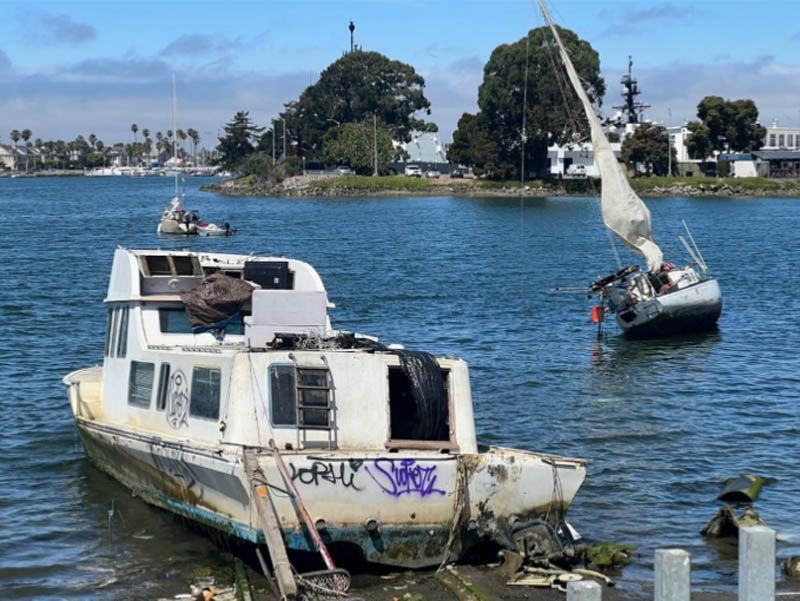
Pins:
x: 694, y: 308
x: 410, y: 494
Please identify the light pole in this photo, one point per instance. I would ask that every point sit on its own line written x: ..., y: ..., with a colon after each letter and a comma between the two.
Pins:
x: 375, y: 138
x: 669, y: 145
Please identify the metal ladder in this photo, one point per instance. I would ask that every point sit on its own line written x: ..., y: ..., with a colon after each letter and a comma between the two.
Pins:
x: 306, y: 391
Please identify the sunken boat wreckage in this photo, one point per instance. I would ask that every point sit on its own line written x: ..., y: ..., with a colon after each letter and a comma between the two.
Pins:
x: 225, y: 396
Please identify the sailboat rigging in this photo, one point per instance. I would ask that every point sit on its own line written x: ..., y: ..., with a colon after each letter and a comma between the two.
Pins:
x: 665, y: 299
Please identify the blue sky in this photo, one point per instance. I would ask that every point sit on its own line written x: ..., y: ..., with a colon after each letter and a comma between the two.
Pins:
x: 69, y: 68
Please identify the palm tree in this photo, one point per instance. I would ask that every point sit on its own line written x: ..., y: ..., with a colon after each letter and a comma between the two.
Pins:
x: 15, y: 135
x: 146, y: 132
x: 134, y: 129
x: 195, y: 137
x: 92, y: 140
x: 26, y: 135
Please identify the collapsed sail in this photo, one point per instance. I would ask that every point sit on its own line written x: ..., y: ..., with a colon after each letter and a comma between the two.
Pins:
x: 623, y: 211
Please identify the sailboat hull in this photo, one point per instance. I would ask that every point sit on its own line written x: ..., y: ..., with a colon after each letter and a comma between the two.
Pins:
x: 695, y: 308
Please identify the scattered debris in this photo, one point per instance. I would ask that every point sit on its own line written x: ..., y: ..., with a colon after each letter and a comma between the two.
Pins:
x: 743, y: 489
x: 791, y: 566
x: 725, y: 524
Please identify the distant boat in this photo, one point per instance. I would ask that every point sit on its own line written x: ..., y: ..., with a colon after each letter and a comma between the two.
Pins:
x: 666, y: 299
x: 176, y: 219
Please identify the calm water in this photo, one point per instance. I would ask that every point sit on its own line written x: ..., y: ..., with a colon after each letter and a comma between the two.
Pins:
x: 662, y: 423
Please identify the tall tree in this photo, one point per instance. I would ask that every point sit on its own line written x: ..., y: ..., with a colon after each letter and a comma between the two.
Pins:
x: 353, y: 144
x: 237, y: 143
x: 732, y: 124
x: 15, y: 136
x: 649, y: 146
x: 552, y: 112
x: 26, y: 135
x: 699, y: 144
x: 351, y: 89
x: 195, y: 138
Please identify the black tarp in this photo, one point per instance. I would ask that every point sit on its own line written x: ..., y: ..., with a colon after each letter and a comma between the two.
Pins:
x: 216, y: 299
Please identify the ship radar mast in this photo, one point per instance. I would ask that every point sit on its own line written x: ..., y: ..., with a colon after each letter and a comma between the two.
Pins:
x: 632, y: 111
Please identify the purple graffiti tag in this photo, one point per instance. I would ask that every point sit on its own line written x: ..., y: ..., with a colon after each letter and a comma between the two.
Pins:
x: 404, y: 477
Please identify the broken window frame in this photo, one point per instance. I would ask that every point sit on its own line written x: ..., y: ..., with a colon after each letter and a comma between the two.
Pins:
x: 405, y: 443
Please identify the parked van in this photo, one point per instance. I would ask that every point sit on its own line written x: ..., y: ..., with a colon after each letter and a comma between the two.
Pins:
x: 577, y: 170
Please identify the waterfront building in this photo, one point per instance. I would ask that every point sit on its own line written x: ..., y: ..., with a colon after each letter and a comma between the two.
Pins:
x: 7, y: 157
x: 781, y: 138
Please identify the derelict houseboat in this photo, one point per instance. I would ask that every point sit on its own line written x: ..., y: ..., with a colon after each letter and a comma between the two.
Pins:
x: 379, y: 442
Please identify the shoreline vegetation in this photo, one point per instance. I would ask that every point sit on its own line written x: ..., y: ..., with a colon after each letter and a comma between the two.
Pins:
x: 354, y: 185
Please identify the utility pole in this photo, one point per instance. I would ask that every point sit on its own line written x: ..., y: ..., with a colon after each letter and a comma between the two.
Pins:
x: 375, y: 136
x: 669, y: 145
x: 352, y: 28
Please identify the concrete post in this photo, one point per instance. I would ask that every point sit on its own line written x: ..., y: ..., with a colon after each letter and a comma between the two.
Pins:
x: 584, y: 590
x: 672, y: 575
x: 756, y: 564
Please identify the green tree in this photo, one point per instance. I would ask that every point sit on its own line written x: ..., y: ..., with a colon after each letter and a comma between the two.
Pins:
x: 699, y: 144
x: 473, y: 145
x: 732, y: 124
x: 237, y: 143
x: 26, y: 135
x: 351, y: 90
x: 353, y: 144
x: 15, y: 136
x: 552, y: 112
x: 649, y: 146
x: 195, y: 138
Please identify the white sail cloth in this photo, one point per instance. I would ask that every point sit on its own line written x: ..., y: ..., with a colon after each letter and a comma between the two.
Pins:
x: 623, y: 211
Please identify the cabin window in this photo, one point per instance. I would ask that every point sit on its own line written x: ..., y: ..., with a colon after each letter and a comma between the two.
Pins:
x: 184, y: 265
x: 299, y: 391
x: 204, y: 401
x: 282, y: 395
x: 163, y: 387
x: 140, y: 384
x: 410, y: 420
x: 780, y: 140
x: 158, y: 265
x: 112, y: 347
x: 174, y: 321
x: 122, y: 345
x: 772, y: 139
x: 109, y: 323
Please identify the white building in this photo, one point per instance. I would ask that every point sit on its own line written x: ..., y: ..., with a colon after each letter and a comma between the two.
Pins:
x: 7, y: 157
x: 576, y: 159
x: 781, y: 138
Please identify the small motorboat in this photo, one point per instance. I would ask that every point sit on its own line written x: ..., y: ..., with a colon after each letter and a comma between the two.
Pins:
x: 212, y: 229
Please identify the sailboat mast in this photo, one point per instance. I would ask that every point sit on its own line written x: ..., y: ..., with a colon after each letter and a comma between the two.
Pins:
x: 524, y: 137
x: 174, y: 134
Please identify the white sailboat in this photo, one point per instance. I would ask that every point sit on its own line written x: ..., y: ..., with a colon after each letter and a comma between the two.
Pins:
x: 176, y: 219
x: 664, y: 299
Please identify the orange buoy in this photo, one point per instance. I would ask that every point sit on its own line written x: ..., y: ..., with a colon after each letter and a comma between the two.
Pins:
x: 598, y: 312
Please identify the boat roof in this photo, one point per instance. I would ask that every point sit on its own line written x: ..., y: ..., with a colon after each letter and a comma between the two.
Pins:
x: 157, y: 274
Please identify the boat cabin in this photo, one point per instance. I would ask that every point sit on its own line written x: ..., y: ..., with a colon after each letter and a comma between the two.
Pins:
x: 275, y: 369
